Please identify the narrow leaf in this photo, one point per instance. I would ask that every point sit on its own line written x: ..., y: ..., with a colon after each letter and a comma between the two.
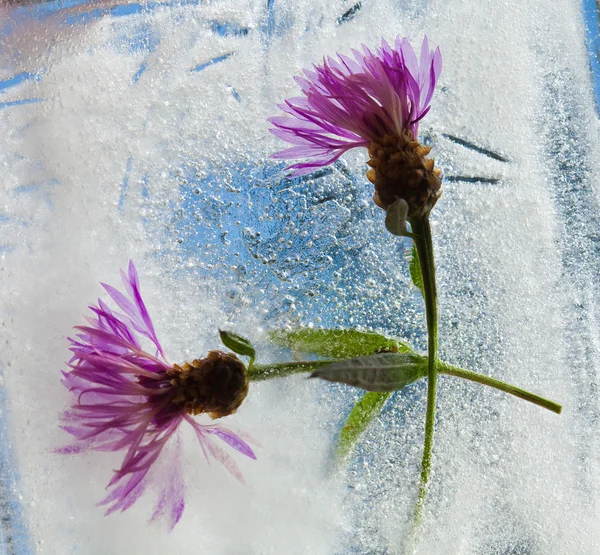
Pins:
x: 363, y: 413
x: 382, y: 372
x: 415, y: 270
x: 336, y: 343
x: 238, y: 344
x: 395, y: 218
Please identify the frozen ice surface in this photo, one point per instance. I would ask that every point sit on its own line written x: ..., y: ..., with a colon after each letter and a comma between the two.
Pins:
x: 138, y: 131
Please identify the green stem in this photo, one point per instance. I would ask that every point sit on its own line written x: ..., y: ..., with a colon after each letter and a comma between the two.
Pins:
x: 423, y: 241
x: 424, y: 244
x: 260, y: 372
x: 450, y: 370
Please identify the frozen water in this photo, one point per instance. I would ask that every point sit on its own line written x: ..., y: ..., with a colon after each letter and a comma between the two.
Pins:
x: 138, y: 131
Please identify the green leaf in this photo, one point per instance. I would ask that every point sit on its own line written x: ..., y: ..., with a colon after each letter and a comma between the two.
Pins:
x: 238, y: 344
x: 382, y: 372
x: 363, y: 413
x: 395, y: 218
x: 415, y: 270
x: 336, y: 343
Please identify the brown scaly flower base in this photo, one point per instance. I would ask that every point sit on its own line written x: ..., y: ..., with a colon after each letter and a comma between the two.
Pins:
x: 216, y: 384
x: 400, y: 170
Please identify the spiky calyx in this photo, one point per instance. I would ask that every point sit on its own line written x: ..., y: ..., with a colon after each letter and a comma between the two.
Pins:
x: 400, y: 169
x: 216, y: 384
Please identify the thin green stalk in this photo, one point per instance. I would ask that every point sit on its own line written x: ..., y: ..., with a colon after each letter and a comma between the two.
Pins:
x: 260, y: 372
x: 450, y: 370
x: 421, y: 230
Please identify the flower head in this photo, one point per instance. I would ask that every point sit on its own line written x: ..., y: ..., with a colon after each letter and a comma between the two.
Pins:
x: 126, y: 399
x: 373, y: 100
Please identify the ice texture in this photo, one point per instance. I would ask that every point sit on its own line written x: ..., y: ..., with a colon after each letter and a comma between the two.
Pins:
x: 138, y: 131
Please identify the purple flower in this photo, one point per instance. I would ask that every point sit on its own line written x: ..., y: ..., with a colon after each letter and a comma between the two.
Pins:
x: 372, y: 100
x: 126, y: 399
